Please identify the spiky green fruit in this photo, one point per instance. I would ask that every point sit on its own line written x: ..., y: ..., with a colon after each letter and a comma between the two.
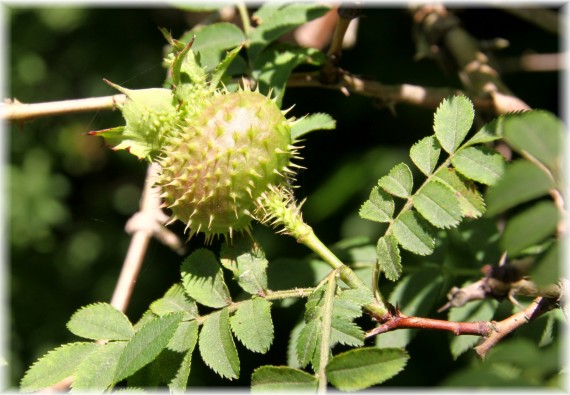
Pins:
x: 229, y: 153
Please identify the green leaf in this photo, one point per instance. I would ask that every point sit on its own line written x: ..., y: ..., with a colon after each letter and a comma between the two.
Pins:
x: 217, y: 345
x: 146, y: 344
x: 389, y: 257
x: 175, y: 300
x: 247, y: 262
x: 96, y: 371
x: 203, y: 279
x: 470, y: 200
x: 221, y: 69
x: 399, y: 181
x: 480, y: 164
x: 212, y: 40
x: 415, y: 294
x: 438, y: 204
x: 529, y: 227
x: 292, y: 360
x: 538, y: 134
x: 489, y: 132
x: 307, y: 342
x: 252, y: 324
x: 548, y: 266
x: 276, y: 19
x: 364, y: 367
x: 452, y: 121
x: 478, y: 310
x: 273, y: 67
x: 268, y: 379
x: 55, y: 366
x: 312, y: 122
x: 185, y: 337
x: 344, y: 331
x: 100, y: 321
x: 425, y: 154
x: 379, y: 207
x: 180, y: 380
x: 522, y: 181
x: 413, y: 234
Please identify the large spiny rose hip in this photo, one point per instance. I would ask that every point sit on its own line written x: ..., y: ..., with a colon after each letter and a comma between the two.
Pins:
x: 229, y: 154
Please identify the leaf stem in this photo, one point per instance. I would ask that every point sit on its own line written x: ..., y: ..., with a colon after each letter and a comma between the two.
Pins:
x: 326, y: 331
x: 244, y: 15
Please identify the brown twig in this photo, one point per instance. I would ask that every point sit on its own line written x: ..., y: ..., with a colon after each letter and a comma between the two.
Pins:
x: 14, y: 110
x: 441, y: 31
x: 143, y: 225
x: 427, y: 97
x: 538, y: 307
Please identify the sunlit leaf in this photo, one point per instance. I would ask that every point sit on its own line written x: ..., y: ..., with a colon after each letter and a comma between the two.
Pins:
x: 203, y: 279
x: 268, y: 379
x: 217, y: 345
x: 438, y: 204
x: 96, y: 371
x: 470, y: 200
x: 489, y: 132
x: 364, y: 367
x: 413, y: 234
x: 185, y: 337
x: 175, y: 300
x: 425, y: 154
x: 379, y: 207
x: 480, y: 164
x: 247, y: 262
x: 146, y: 344
x: 252, y: 324
x: 452, y: 122
x: 399, y: 181
x: 312, y: 122
x: 389, y: 257
x: 55, y: 366
x: 100, y: 321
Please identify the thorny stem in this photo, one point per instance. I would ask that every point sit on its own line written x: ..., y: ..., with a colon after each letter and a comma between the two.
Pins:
x: 326, y: 333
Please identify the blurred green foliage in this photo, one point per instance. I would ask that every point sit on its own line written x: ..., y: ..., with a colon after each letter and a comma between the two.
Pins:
x: 69, y: 196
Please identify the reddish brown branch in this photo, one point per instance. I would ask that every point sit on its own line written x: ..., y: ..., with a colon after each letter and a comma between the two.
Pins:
x: 400, y: 321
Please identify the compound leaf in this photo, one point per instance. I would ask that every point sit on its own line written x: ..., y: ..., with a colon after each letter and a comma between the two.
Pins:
x: 425, y: 154
x: 309, y: 123
x: 55, y: 366
x: 364, y: 367
x: 470, y: 200
x: 379, y: 207
x: 100, y: 321
x: 438, y: 204
x: 480, y: 164
x: 96, y: 371
x: 146, y: 344
x: 389, y: 257
x: 413, y: 234
x: 217, y: 346
x: 247, y: 262
x: 203, y: 279
x: 522, y: 181
x: 399, y: 181
x: 307, y: 342
x: 175, y: 300
x: 185, y: 337
x: 452, y: 121
x: 252, y: 324
x: 267, y: 379
x: 489, y: 132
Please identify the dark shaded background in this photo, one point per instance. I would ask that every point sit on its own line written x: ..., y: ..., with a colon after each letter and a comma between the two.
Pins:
x: 69, y: 196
